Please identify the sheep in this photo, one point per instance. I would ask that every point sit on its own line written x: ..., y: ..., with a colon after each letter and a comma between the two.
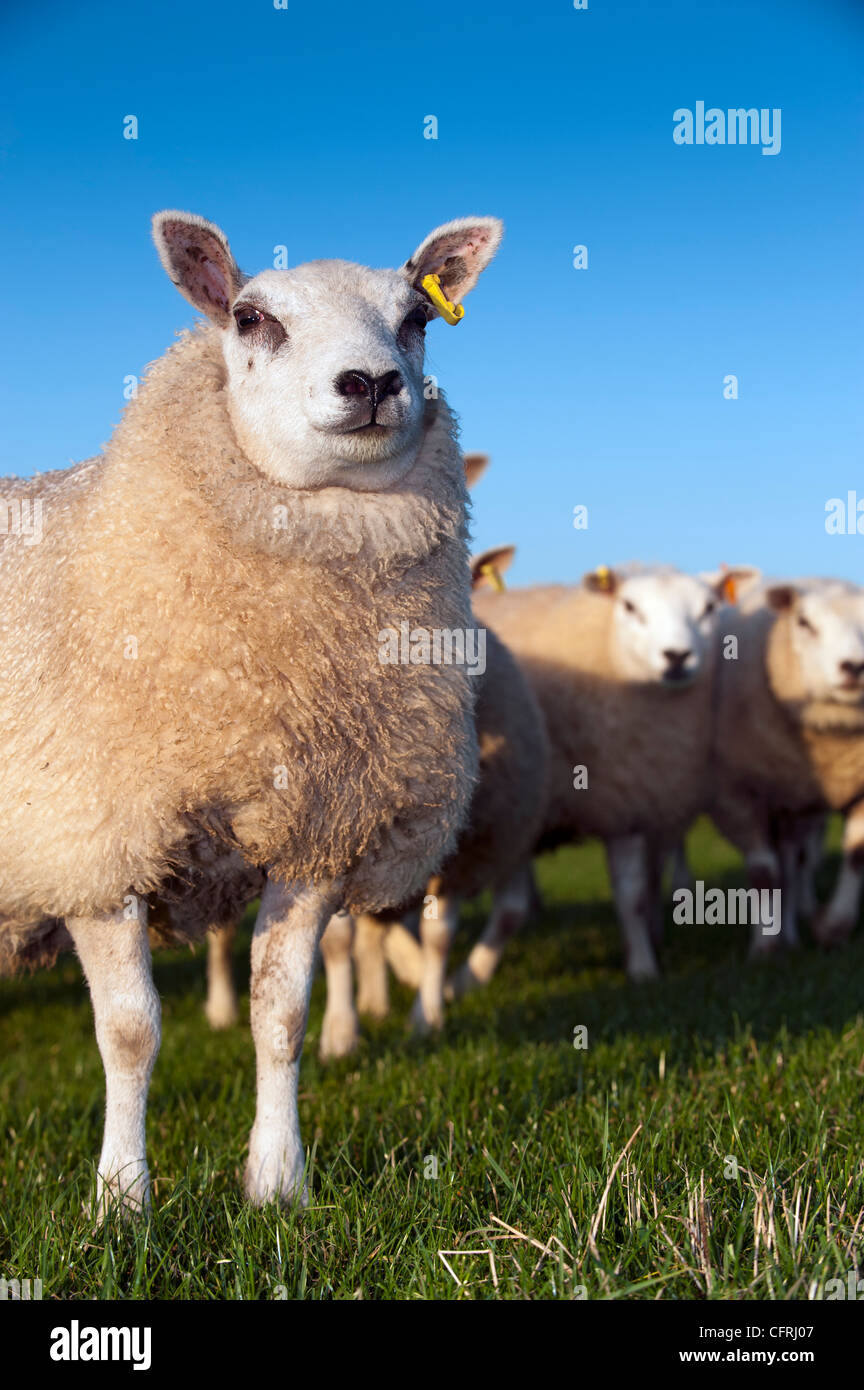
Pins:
x: 196, y: 654
x: 790, y: 744
x: 493, y: 851
x: 623, y: 669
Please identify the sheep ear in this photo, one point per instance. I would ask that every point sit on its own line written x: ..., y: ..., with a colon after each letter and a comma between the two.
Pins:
x: 475, y: 467
x: 456, y: 253
x: 732, y: 582
x: 781, y: 597
x: 601, y: 581
x: 197, y: 258
x: 488, y: 567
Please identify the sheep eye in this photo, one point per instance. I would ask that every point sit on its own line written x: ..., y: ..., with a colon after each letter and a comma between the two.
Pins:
x: 803, y: 622
x: 709, y: 608
x: 246, y: 317
x: 417, y: 319
x: 628, y: 606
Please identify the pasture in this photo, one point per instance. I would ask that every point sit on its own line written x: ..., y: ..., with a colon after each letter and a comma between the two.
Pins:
x: 760, y: 1064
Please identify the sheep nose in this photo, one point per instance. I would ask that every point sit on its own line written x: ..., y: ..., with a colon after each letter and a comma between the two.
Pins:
x: 852, y: 668
x: 676, y: 658
x: 356, y: 383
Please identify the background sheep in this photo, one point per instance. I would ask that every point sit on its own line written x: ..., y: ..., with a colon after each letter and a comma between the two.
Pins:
x: 623, y: 670
x: 790, y: 743
x: 493, y: 851
x: 194, y: 651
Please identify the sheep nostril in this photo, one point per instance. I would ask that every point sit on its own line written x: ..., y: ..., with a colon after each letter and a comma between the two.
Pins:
x: 852, y: 668
x: 676, y: 658
x: 354, y: 384
x: 390, y: 384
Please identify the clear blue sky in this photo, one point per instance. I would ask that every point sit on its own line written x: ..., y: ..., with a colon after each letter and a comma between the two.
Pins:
x: 605, y: 387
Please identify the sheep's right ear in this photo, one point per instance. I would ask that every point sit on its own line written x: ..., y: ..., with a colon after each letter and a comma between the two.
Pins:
x: 601, y: 581
x: 781, y: 596
x: 488, y: 567
x: 198, y: 260
x: 475, y: 467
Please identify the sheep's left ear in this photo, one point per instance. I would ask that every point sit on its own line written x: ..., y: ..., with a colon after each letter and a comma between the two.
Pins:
x: 456, y: 253
x: 601, y: 581
x: 488, y: 567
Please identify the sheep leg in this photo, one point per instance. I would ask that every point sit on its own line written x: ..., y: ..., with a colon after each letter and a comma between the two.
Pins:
x: 628, y: 870
x: 810, y: 844
x: 290, y: 922
x: 790, y: 876
x: 655, y: 859
x: 436, y: 934
x: 402, y: 950
x: 373, y: 986
x: 115, y: 956
x: 764, y: 872
x: 511, y: 906
x: 220, y: 1006
x: 836, y: 923
x: 339, y: 1029
x: 680, y: 873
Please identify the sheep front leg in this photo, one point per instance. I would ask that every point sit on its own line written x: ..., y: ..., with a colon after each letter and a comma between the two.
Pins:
x: 115, y: 956
x: 221, y: 1004
x: 373, y: 993
x: 339, y: 1029
x: 436, y: 934
x: 631, y: 886
x: 510, y: 908
x: 289, y: 925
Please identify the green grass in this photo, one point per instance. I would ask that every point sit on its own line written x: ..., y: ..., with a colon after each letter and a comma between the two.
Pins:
x: 763, y: 1063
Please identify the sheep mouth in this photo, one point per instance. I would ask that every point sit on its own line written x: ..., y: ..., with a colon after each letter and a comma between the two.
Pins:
x: 678, y: 676
x: 850, y: 690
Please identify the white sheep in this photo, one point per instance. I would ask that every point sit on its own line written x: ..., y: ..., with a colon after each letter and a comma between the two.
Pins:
x: 623, y: 669
x: 790, y: 744
x: 192, y: 657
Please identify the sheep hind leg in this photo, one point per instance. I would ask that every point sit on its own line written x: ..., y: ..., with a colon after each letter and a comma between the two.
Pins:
x: 220, y: 1007
x: 511, y: 906
x: 403, y: 950
x: 836, y: 922
x: 339, y: 1032
x: 373, y: 985
x: 115, y: 956
x: 631, y: 886
x: 436, y: 934
x: 764, y: 872
x: 290, y: 922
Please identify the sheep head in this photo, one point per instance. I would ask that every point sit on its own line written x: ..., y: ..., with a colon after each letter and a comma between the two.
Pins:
x: 324, y: 361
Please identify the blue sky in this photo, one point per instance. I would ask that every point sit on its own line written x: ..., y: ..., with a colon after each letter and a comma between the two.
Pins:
x: 601, y: 387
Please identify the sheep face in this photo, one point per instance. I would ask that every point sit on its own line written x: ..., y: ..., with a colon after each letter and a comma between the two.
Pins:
x: 324, y: 362
x: 816, y: 647
x: 662, y: 625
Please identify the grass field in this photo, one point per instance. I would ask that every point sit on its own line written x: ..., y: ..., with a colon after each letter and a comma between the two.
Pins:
x: 608, y: 1170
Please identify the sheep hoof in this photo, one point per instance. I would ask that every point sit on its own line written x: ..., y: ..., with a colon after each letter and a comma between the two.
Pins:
x: 373, y: 1005
x: 338, y: 1036
x: 114, y: 1199
x: 275, y: 1177
x: 221, y: 1013
x: 425, y: 1021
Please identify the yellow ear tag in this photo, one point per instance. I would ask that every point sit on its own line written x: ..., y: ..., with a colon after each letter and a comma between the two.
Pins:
x: 604, y: 579
x: 451, y: 313
x: 490, y: 572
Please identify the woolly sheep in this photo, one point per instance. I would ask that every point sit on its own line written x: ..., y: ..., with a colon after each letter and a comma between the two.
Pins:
x: 623, y: 669
x: 192, y: 654
x: 790, y: 743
